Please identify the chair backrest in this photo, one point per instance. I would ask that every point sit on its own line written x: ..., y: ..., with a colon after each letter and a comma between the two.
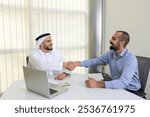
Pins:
x: 27, y: 60
x: 97, y: 69
x: 144, y: 66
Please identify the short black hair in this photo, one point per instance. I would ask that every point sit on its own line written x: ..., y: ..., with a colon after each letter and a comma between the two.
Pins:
x: 125, y: 36
x: 43, y: 35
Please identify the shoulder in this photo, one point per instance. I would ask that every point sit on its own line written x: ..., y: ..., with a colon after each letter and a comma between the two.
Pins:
x: 35, y: 53
x: 130, y: 57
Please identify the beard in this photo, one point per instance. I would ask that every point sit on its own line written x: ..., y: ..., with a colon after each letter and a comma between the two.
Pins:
x: 51, y: 48
x: 48, y: 48
x: 113, y: 48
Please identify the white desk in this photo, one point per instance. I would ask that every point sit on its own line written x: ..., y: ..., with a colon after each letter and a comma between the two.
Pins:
x: 77, y: 91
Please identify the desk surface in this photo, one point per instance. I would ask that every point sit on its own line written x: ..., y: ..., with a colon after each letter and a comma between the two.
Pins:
x: 77, y: 91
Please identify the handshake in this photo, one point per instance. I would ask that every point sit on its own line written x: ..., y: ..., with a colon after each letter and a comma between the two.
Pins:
x: 71, y: 65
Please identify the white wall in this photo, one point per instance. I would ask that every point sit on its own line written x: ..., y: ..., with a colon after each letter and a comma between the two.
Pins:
x: 132, y: 16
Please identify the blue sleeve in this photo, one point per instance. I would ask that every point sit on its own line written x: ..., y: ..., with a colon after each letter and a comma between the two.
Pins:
x: 101, y: 60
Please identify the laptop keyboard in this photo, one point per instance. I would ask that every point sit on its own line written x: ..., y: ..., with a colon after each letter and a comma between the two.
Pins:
x: 52, y: 91
x: 106, y: 77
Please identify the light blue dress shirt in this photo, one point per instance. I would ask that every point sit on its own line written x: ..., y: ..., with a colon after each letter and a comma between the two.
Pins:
x: 123, y: 68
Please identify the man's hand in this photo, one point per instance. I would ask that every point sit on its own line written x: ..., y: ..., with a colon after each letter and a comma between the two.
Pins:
x: 92, y: 83
x: 71, y: 65
x: 65, y: 64
x: 61, y: 76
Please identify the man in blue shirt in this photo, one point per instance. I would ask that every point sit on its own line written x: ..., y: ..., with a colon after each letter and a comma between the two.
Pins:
x: 123, y: 65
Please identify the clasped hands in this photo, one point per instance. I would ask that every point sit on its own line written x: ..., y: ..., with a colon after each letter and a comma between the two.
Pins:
x: 68, y: 65
x: 90, y: 83
x: 71, y: 65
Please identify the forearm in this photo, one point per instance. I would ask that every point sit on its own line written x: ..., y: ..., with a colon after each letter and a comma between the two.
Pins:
x: 92, y: 62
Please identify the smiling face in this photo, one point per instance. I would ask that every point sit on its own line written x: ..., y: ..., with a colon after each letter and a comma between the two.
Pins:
x: 47, y: 44
x: 115, y: 41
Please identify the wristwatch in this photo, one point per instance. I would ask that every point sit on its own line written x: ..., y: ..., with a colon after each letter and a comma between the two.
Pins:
x: 67, y: 74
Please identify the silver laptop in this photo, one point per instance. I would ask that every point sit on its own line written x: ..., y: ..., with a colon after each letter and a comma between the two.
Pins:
x: 37, y: 81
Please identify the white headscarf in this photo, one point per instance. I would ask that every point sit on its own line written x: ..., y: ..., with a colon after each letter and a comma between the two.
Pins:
x: 39, y: 42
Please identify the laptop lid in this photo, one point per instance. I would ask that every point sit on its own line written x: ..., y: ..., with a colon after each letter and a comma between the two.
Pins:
x: 36, y: 81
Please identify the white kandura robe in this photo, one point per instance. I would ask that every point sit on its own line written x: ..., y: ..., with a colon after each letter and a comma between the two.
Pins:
x: 52, y: 62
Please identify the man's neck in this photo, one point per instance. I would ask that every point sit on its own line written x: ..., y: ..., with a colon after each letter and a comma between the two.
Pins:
x: 119, y: 51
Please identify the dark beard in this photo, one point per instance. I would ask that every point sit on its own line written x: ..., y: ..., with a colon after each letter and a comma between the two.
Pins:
x: 113, y: 48
x: 49, y: 48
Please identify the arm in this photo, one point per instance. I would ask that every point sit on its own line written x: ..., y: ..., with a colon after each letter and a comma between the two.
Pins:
x: 88, y: 63
x: 101, y: 60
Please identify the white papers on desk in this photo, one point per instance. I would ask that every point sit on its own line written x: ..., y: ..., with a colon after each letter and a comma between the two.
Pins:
x: 58, y: 82
x: 96, y: 76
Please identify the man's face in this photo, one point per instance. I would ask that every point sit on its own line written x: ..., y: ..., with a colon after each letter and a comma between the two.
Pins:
x: 115, y: 41
x: 47, y: 44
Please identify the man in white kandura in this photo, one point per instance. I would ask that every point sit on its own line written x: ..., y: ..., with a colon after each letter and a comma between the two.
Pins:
x: 44, y: 57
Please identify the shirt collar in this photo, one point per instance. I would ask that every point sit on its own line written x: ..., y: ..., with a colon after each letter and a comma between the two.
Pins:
x: 121, y: 54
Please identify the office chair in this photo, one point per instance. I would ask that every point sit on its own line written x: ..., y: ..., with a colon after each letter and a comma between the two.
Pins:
x: 27, y: 60
x: 144, y: 67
